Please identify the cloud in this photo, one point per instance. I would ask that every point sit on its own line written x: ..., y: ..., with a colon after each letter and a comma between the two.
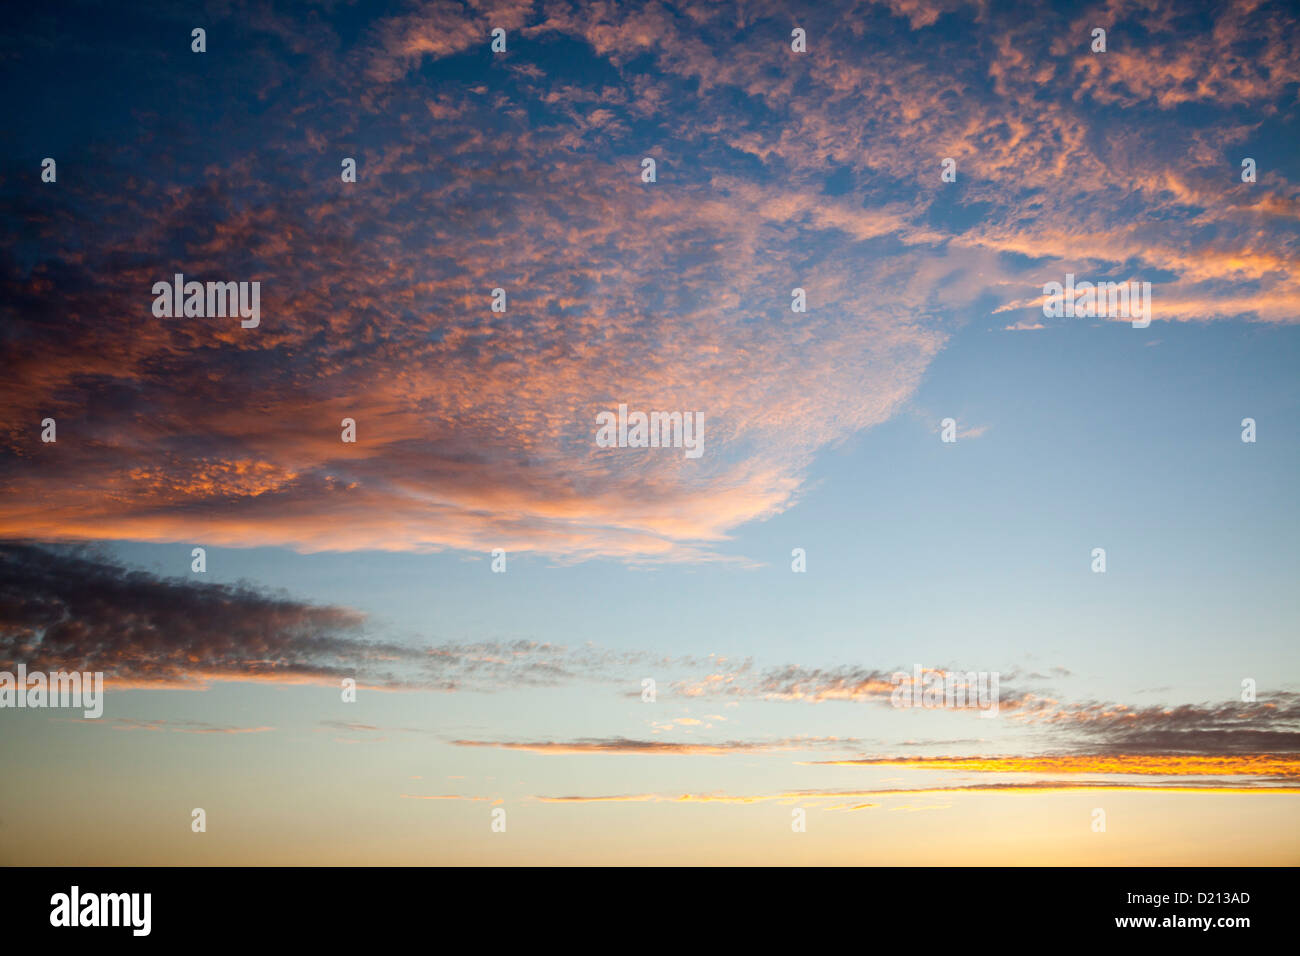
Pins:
x: 176, y: 726
x: 62, y: 609
x: 442, y: 796
x: 849, y: 683
x: 817, y: 797
x: 66, y: 608
x: 1270, y: 725
x: 1165, y: 765
x: 475, y: 429
x: 623, y: 745
x: 618, y: 745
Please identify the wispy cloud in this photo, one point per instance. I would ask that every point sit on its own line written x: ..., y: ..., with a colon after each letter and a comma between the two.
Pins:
x: 175, y: 726
x: 623, y: 745
x: 848, y: 798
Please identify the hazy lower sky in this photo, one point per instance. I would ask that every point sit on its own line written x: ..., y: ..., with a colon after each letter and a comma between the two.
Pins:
x: 1161, y: 696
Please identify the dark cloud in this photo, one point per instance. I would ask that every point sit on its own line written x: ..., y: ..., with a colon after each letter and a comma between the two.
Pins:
x: 1269, y: 725
x: 70, y: 607
x: 66, y: 608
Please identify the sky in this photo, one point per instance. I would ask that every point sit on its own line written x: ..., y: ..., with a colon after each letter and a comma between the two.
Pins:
x: 832, y: 534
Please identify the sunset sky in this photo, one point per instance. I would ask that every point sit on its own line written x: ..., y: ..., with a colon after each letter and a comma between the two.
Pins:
x: 775, y: 170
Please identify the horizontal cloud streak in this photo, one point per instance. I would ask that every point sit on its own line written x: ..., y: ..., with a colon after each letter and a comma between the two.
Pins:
x: 623, y: 745
x: 816, y: 796
x: 1168, y: 765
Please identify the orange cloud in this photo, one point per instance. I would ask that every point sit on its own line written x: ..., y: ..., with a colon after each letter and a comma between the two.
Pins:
x: 475, y: 429
x: 1213, y: 765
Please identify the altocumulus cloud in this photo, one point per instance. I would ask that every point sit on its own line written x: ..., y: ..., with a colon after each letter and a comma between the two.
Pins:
x: 521, y: 171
